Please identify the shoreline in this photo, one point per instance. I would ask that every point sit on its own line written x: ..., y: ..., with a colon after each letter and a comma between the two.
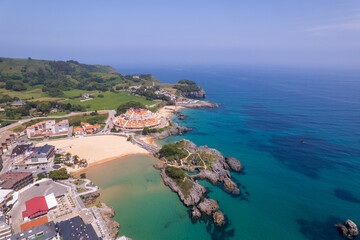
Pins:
x: 89, y: 148
x: 168, y: 111
x: 105, y: 160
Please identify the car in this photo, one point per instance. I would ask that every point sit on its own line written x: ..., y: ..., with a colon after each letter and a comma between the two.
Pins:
x: 43, y: 168
x: 36, y: 184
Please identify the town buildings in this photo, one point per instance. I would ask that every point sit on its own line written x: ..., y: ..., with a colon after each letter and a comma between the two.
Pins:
x: 18, y: 103
x: 27, y: 154
x: 90, y: 129
x: 5, y: 197
x: 137, y: 119
x: 5, y: 227
x: 78, y: 131
x: 44, y: 232
x: 48, y: 128
x: 75, y: 228
x: 15, y: 181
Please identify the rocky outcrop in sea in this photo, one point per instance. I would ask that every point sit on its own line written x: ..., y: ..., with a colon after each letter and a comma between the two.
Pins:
x: 348, y: 229
x: 215, y: 170
x: 200, y: 104
x: 175, y: 129
x: 195, y: 94
x: 195, y: 193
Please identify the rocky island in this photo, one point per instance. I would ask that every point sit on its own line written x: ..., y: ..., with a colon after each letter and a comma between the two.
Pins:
x: 181, y: 158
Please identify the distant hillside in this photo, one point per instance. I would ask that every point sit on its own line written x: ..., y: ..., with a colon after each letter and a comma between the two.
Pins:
x: 54, y: 77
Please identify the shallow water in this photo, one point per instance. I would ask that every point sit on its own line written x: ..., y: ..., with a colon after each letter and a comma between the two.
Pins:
x: 291, y: 190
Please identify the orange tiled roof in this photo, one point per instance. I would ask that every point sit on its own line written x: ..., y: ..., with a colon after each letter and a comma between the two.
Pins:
x: 34, y: 223
x: 78, y: 129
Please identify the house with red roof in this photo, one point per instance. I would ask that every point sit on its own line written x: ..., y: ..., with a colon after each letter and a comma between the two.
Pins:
x: 90, y: 129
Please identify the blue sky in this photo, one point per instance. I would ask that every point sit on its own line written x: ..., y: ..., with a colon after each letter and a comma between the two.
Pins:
x: 159, y: 32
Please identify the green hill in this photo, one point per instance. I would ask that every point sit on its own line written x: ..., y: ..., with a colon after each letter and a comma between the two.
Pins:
x: 30, y: 78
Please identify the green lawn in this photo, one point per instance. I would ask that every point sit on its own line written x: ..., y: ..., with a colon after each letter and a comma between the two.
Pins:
x: 28, y: 94
x: 76, y: 93
x: 109, y: 101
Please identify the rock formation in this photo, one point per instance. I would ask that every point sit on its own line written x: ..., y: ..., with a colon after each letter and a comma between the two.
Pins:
x: 219, y: 218
x: 200, y: 104
x: 234, y: 164
x: 175, y: 129
x: 348, y: 229
x: 90, y: 198
x: 218, y: 172
x: 195, y: 94
x: 107, y: 214
x: 211, y: 165
x: 208, y: 206
x: 196, y: 192
x: 195, y: 213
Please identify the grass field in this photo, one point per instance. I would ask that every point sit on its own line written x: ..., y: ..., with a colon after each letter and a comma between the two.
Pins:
x: 29, y: 94
x: 109, y: 101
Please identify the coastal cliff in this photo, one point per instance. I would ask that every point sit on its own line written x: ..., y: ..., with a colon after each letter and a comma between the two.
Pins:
x: 175, y: 129
x: 200, y: 104
x: 183, y: 157
x: 107, y: 213
x: 195, y: 94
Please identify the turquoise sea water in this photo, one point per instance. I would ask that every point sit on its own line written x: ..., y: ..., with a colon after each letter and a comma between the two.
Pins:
x: 291, y: 190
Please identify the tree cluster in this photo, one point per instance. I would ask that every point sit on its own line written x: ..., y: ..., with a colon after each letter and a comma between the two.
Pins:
x: 150, y: 94
x: 59, y: 174
x: 131, y: 104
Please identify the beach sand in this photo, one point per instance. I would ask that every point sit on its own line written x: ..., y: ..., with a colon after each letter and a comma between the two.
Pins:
x: 150, y: 141
x: 97, y: 149
x: 168, y: 111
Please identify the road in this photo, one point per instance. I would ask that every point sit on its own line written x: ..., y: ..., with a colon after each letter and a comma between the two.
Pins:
x: 3, y: 129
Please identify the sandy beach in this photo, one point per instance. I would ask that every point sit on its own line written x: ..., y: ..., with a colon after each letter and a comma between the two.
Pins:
x: 150, y: 141
x: 97, y: 149
x: 168, y: 111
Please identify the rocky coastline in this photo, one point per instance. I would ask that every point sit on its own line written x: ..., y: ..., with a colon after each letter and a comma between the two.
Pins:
x: 106, y: 212
x: 200, y: 104
x: 215, y: 169
x: 195, y: 94
x: 175, y: 129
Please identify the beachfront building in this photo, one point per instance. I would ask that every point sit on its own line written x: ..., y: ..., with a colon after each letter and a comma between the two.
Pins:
x: 137, y: 119
x: 78, y: 131
x: 90, y: 129
x: 48, y: 128
x: 27, y: 155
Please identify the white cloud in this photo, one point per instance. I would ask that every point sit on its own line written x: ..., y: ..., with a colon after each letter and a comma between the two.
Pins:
x: 351, y: 25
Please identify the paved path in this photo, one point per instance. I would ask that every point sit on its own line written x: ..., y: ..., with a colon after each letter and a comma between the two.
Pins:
x: 101, y: 224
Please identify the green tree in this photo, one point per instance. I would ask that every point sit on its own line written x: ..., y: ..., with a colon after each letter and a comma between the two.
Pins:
x: 131, y: 104
x: 41, y: 176
x: 83, y: 175
x: 76, y: 159
x: 59, y: 174
x: 44, y: 107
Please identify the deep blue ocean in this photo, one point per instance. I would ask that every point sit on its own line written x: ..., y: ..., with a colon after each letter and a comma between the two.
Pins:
x: 290, y: 189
